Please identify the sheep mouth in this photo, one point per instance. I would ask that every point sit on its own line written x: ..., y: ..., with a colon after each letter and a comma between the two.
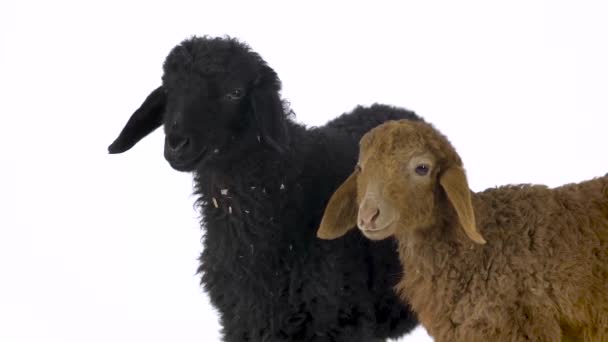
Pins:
x: 189, y: 164
x: 378, y: 233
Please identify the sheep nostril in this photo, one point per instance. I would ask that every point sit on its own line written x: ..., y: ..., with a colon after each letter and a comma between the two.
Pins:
x: 177, y: 143
x: 369, y: 215
x: 375, y: 215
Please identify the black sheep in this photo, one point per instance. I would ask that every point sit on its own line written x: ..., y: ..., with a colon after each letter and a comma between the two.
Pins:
x: 262, y: 182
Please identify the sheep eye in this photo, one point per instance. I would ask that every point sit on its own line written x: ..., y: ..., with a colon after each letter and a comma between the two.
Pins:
x: 422, y: 169
x: 357, y: 168
x: 236, y: 94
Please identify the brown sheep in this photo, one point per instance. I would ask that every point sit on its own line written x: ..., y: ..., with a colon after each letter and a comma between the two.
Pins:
x: 529, y: 264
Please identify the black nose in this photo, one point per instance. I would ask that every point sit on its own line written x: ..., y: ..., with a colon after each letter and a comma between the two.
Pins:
x: 177, y: 142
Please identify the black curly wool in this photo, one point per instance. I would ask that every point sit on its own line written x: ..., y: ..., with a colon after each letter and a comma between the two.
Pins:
x: 262, y: 187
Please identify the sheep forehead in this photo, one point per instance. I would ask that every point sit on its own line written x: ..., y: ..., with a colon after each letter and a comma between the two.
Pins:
x: 399, y: 141
x: 394, y: 139
x: 207, y: 56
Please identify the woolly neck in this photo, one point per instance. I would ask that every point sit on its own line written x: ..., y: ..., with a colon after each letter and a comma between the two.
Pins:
x: 244, y: 190
x: 431, y: 251
x: 441, y: 261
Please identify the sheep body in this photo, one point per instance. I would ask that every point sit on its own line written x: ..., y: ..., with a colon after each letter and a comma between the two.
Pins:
x: 262, y: 181
x: 261, y: 263
x: 530, y: 264
x: 542, y: 275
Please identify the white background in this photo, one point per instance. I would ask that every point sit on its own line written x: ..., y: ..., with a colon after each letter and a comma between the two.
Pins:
x: 96, y: 247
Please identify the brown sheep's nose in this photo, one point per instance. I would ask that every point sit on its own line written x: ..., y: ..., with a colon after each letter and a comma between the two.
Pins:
x: 367, y: 215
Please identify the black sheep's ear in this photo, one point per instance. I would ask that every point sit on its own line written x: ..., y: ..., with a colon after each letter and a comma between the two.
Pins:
x: 146, y: 119
x: 267, y: 109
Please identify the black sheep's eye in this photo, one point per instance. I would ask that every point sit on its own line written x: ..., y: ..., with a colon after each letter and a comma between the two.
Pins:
x: 422, y: 169
x: 235, y: 94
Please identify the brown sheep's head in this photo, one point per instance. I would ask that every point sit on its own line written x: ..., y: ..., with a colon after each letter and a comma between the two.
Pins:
x: 405, y: 170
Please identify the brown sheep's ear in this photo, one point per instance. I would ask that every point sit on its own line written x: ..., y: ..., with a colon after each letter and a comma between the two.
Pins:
x: 454, y: 183
x: 341, y: 211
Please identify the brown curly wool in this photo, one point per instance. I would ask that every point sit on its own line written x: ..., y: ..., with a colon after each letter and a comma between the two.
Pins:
x: 513, y: 263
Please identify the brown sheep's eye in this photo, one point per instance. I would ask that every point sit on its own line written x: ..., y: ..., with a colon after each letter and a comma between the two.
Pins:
x: 422, y: 169
x: 357, y: 168
x: 236, y: 94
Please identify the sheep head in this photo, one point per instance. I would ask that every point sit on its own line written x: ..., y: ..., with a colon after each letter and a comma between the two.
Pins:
x: 217, y: 98
x: 405, y: 170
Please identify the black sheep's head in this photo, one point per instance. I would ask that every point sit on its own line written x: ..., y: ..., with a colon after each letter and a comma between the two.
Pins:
x: 217, y: 98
